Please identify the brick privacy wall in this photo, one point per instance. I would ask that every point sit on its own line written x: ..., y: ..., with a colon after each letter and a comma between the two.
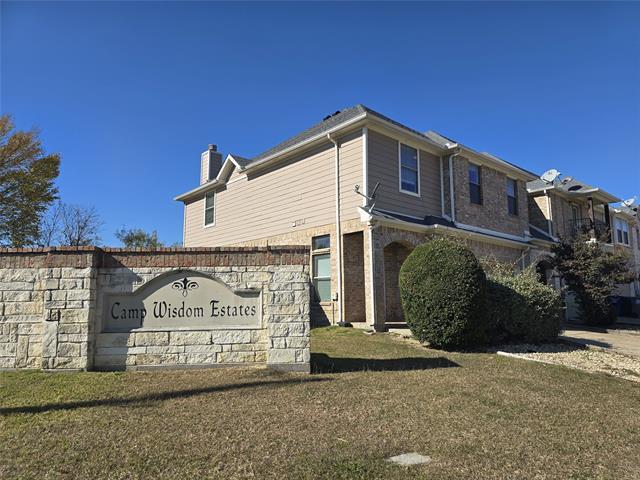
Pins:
x: 354, y: 284
x: 321, y: 313
x: 394, y: 256
x: 381, y: 237
x: 50, y: 304
x: 388, y: 258
x: 493, y: 213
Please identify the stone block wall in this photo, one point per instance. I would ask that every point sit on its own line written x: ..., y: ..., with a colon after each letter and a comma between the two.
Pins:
x: 46, y: 308
x: 51, y: 304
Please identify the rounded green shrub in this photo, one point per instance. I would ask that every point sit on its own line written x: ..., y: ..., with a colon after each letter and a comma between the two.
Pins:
x: 442, y: 287
x: 521, y: 309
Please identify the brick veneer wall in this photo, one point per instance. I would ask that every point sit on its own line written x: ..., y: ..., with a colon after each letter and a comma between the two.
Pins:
x: 493, y: 213
x: 50, y: 304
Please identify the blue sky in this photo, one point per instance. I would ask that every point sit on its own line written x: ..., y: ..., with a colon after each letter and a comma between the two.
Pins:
x: 131, y: 93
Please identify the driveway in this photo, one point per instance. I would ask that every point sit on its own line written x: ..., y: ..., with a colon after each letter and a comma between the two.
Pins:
x: 622, y: 341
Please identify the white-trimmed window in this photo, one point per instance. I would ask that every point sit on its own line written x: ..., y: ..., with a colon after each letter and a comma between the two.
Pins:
x: 512, y: 196
x: 409, y: 166
x: 622, y: 231
x: 321, y: 265
x: 475, y: 184
x: 210, y: 209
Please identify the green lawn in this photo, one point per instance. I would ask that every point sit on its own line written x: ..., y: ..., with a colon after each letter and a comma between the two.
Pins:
x: 476, y: 415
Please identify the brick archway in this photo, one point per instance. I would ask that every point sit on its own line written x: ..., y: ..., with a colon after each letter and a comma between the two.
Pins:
x: 395, y: 254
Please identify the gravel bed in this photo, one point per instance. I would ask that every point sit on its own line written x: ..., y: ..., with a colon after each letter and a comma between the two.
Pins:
x: 573, y: 356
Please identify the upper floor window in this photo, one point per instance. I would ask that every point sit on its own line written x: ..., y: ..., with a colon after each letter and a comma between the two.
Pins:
x: 622, y: 231
x: 638, y: 238
x: 512, y: 196
x: 209, y: 208
x: 475, y: 184
x: 409, y: 170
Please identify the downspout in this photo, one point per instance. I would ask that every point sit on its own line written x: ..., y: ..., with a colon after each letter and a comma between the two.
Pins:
x: 365, y: 165
x: 441, y: 188
x: 452, y: 200
x: 372, y: 275
x: 338, y: 229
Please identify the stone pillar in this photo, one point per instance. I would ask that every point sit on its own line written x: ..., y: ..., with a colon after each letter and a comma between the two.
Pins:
x: 68, y: 317
x: 374, y: 278
x: 287, y: 311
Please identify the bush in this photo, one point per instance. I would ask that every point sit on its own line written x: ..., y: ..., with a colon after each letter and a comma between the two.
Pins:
x: 521, y: 309
x: 592, y: 272
x: 442, y: 287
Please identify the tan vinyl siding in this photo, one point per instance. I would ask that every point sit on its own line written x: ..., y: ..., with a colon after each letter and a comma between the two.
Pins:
x: 383, y: 168
x: 267, y: 203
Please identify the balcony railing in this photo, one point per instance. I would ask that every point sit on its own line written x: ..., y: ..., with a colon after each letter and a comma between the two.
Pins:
x: 584, y: 226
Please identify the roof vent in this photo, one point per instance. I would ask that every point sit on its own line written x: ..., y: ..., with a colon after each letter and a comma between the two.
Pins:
x: 331, y: 115
x: 574, y: 188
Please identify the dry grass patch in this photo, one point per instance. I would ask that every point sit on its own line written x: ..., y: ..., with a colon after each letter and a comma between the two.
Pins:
x: 475, y: 415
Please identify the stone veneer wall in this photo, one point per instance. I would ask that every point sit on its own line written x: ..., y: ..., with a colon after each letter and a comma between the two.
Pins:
x: 51, y: 299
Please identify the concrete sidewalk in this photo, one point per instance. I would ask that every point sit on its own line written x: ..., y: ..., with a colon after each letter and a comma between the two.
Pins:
x: 621, y: 341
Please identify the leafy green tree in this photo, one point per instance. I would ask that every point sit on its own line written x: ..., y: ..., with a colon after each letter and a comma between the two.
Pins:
x: 591, y: 272
x: 136, y: 237
x: 27, y: 186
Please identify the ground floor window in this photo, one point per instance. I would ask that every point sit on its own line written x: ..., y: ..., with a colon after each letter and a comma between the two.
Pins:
x: 622, y: 231
x: 321, y: 267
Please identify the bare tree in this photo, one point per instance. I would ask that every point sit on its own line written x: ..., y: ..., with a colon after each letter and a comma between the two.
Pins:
x: 50, y: 226
x: 79, y: 226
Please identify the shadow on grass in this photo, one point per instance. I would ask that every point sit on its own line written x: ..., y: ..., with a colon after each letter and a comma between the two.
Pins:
x: 154, y: 397
x: 322, y: 363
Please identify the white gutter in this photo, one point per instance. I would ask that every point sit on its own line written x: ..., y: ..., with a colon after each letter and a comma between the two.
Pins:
x: 201, y: 189
x: 555, y: 239
x: 441, y: 188
x: 338, y: 229
x: 492, y: 233
x: 465, y: 231
x: 452, y: 201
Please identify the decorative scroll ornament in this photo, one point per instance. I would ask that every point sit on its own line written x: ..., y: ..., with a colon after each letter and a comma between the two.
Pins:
x: 185, y: 285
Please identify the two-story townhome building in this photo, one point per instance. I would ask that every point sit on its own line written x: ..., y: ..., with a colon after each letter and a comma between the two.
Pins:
x: 361, y: 190
x: 626, y: 236
x: 565, y: 208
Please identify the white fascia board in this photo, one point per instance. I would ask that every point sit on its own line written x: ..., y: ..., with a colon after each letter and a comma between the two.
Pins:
x: 541, y: 243
x: 496, y: 163
x: 370, y: 118
x: 235, y: 162
x: 322, y: 136
x: 398, y: 131
x: 493, y: 233
x: 555, y: 239
x: 198, y: 190
x: 437, y: 228
x: 227, y: 167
